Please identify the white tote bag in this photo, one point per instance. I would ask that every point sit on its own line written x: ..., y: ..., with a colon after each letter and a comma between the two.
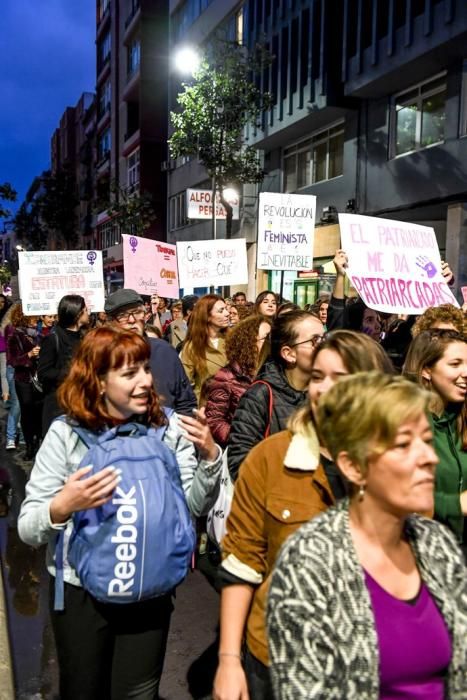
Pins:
x: 217, y: 516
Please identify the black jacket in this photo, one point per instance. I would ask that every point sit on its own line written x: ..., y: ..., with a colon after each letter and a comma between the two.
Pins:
x: 252, y: 418
x: 55, y: 355
x: 170, y: 380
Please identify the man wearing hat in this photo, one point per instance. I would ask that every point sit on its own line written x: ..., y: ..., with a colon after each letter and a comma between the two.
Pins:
x: 126, y: 307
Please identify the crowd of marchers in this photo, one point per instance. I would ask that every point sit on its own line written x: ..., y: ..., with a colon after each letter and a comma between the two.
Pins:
x: 314, y: 462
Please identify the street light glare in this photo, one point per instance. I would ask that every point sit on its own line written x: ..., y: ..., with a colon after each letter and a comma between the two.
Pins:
x: 187, y: 60
x: 230, y: 193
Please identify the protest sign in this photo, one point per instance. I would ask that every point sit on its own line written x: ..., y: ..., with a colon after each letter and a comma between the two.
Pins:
x: 212, y: 263
x: 286, y: 225
x: 45, y: 276
x: 394, y: 266
x: 150, y: 267
x: 199, y: 205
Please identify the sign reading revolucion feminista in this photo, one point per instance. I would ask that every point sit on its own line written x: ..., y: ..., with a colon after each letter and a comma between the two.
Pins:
x: 286, y: 224
x: 150, y: 267
x: 394, y: 266
x: 45, y: 276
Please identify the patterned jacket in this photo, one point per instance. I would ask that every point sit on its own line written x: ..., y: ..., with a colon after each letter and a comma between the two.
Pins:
x: 322, y: 635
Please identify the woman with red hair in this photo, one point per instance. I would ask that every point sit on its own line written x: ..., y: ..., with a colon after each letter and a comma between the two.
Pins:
x: 203, y: 352
x: 104, y: 649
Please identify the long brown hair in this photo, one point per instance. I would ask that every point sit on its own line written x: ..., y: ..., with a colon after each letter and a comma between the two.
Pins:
x: 425, y: 350
x: 197, y: 337
x: 101, y: 350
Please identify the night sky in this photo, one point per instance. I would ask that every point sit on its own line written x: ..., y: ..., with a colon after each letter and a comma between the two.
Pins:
x: 48, y: 60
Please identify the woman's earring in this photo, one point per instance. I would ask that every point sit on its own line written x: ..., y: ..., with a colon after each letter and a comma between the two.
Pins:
x: 361, y: 492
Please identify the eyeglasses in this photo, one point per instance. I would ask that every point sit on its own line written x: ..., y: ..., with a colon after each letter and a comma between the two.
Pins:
x: 125, y: 316
x: 314, y: 340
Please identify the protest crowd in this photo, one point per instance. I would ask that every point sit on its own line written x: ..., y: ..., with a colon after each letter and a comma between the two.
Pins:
x: 311, y: 462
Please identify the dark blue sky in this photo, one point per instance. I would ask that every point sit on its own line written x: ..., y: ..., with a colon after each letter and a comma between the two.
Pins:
x: 48, y: 60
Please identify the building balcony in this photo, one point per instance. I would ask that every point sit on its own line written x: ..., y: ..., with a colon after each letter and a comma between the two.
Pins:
x: 130, y: 142
x: 131, y: 90
x: 103, y: 164
x: 103, y: 22
x: 132, y: 20
x: 411, y: 48
x: 103, y: 69
x: 103, y: 119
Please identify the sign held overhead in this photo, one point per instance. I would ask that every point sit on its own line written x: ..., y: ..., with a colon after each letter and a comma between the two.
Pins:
x: 286, y: 224
x: 394, y: 266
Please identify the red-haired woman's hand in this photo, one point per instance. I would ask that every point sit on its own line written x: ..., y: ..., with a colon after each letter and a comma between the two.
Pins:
x: 196, y: 429
x: 80, y: 493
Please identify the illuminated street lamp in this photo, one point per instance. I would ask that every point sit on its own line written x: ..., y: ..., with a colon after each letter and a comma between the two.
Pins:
x: 186, y: 60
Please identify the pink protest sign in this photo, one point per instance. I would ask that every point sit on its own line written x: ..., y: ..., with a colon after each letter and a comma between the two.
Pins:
x: 394, y: 266
x: 150, y: 266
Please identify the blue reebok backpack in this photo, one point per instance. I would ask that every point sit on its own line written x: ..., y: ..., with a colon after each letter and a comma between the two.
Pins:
x: 138, y: 545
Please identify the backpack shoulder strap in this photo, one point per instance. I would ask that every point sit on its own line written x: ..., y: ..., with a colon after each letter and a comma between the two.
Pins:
x: 267, y: 432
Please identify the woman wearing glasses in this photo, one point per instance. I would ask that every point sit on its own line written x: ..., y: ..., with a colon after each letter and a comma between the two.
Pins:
x: 437, y: 359
x: 285, y: 480
x: 280, y: 386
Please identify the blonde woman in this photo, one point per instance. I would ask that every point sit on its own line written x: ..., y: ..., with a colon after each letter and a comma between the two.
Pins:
x: 368, y: 600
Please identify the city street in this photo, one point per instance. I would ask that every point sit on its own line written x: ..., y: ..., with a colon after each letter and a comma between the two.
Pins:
x: 191, y: 654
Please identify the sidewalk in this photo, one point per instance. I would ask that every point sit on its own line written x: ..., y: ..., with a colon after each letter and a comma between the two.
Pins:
x: 6, y: 666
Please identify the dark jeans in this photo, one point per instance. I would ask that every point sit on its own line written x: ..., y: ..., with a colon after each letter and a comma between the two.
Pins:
x: 30, y: 401
x: 108, y: 651
x: 257, y: 675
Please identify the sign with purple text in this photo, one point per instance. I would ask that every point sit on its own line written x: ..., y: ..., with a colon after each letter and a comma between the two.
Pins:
x: 150, y: 267
x: 45, y: 276
x: 212, y: 263
x: 286, y: 227
x: 394, y: 266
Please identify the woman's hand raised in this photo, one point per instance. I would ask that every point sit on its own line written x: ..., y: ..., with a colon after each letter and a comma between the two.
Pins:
x: 80, y: 493
x: 196, y: 430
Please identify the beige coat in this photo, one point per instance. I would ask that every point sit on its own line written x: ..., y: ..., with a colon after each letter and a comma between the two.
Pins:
x: 215, y: 360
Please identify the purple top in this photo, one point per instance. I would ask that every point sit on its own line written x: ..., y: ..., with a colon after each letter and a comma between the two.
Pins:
x: 414, y: 645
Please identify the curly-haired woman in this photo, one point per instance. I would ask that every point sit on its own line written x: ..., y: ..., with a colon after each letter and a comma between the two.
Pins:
x: 444, y: 317
x: 246, y: 347
x: 204, y: 350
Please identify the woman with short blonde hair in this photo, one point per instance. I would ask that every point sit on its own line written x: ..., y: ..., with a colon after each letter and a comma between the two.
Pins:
x: 369, y: 600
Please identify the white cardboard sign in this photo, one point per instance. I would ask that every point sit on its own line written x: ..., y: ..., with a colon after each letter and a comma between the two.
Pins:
x: 286, y: 226
x: 211, y: 263
x: 394, y: 266
x: 47, y: 275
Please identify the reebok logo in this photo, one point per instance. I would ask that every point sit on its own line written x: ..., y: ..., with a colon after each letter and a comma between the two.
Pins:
x: 125, y: 538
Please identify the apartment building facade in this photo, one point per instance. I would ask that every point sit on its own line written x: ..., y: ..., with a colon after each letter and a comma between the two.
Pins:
x: 369, y: 114
x: 131, y: 114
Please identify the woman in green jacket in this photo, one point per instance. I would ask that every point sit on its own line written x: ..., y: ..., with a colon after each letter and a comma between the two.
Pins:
x: 437, y: 359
